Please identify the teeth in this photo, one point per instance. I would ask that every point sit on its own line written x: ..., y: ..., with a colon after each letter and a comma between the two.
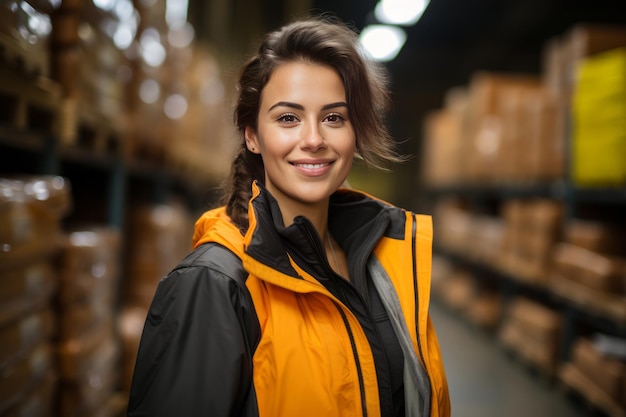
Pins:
x: 312, y: 166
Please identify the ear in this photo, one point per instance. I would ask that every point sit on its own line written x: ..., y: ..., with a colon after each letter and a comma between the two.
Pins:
x: 252, y: 141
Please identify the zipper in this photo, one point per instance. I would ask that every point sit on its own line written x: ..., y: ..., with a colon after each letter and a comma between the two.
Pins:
x: 357, y: 362
x: 343, y: 297
x: 417, y: 332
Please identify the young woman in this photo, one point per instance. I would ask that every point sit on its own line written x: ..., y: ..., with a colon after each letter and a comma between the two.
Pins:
x: 301, y: 298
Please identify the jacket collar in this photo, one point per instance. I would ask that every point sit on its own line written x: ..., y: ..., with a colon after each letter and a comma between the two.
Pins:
x: 356, y: 220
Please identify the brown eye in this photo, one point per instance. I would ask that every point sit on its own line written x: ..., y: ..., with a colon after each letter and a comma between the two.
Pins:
x: 335, y: 118
x: 287, y: 118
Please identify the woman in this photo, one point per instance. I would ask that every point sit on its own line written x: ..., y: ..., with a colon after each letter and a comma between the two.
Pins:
x: 301, y: 298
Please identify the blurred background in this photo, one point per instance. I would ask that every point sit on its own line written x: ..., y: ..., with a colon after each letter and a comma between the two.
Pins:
x: 116, y: 133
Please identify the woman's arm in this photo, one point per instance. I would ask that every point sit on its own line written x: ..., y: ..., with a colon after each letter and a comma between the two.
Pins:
x: 195, y: 356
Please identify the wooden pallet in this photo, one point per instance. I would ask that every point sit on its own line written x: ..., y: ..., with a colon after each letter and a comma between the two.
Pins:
x: 594, y: 397
x: 79, y: 128
x: 29, y: 102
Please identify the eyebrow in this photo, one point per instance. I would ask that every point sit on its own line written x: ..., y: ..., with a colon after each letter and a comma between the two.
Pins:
x: 301, y: 107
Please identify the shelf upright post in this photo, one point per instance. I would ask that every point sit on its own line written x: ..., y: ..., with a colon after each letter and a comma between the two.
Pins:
x: 161, y: 189
x: 117, y: 192
x: 569, y: 331
x: 49, y: 158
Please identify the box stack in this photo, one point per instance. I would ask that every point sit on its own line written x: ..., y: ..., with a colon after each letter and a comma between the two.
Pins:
x: 88, y: 349
x: 452, y: 225
x: 597, y: 374
x: 205, y: 133
x: 532, y: 230
x: 159, y: 238
x: 31, y: 209
x: 498, y: 126
x: 589, y: 268
x: 532, y: 331
x: 503, y: 129
x: 181, y: 97
x: 443, y: 150
x: 89, y: 62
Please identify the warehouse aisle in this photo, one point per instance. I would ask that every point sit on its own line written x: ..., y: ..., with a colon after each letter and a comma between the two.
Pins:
x: 485, y: 381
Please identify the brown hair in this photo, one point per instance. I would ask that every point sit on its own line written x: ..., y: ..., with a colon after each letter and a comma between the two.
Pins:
x: 319, y: 40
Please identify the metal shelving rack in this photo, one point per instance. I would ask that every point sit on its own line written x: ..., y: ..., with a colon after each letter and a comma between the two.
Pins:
x: 574, y: 198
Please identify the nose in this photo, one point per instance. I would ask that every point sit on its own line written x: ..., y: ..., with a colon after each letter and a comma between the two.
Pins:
x: 313, y: 138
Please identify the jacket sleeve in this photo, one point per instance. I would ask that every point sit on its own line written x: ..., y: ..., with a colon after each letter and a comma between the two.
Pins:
x: 195, y: 356
x: 440, y: 395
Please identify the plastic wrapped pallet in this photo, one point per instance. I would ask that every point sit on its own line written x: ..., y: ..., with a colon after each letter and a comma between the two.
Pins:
x: 89, y: 274
x: 26, y: 289
x: 31, y: 210
x: 87, y: 345
x: 21, y: 377
x: 90, y: 379
x: 130, y: 326
x: 20, y: 337
x: 159, y: 238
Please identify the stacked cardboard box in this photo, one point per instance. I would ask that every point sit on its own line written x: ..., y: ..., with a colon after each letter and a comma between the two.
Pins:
x: 589, y: 268
x: 453, y: 225
x: 598, y: 376
x: 31, y: 209
x: 444, y: 140
x: 532, y: 229
x: 87, y: 347
x: 532, y: 331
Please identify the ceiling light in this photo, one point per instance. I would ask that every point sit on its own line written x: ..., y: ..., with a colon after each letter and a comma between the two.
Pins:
x: 382, y: 42
x: 400, y: 12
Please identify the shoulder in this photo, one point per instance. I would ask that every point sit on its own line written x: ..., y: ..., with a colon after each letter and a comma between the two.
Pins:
x: 213, y: 257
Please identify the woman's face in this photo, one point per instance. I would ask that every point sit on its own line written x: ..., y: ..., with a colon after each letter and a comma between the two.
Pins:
x: 303, y: 134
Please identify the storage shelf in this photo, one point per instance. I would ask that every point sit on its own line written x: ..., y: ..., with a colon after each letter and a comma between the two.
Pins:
x: 116, y: 175
x: 536, y: 290
x: 21, y: 138
x: 546, y: 190
x: 556, y: 190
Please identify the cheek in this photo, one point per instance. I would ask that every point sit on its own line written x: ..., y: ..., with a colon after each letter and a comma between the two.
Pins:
x: 279, y: 140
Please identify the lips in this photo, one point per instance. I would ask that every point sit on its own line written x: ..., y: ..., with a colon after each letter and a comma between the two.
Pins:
x: 312, y: 166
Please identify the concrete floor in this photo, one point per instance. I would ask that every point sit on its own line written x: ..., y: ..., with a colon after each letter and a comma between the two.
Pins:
x: 486, y: 381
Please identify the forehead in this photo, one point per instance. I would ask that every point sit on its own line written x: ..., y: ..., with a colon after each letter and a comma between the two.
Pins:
x: 303, y: 82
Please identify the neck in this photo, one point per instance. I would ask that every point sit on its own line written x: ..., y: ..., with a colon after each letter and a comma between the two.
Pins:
x: 316, y: 213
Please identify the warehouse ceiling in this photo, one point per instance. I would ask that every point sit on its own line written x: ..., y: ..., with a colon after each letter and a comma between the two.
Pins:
x: 456, y: 37
x: 453, y: 38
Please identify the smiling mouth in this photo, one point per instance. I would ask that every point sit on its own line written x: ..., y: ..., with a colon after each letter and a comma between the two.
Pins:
x: 312, y: 166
